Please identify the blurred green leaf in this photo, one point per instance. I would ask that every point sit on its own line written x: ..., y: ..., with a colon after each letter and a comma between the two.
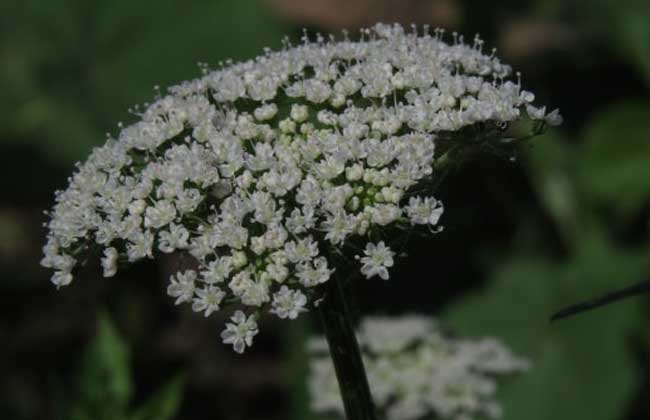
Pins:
x: 615, y: 158
x: 550, y: 163
x: 634, y: 33
x: 296, y: 368
x: 164, y: 404
x: 627, y: 30
x: 105, y: 383
x: 72, y: 68
x: 105, y: 388
x: 582, y: 368
x: 623, y: 26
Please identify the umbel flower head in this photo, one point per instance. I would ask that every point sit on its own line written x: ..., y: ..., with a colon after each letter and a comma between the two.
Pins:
x: 265, y: 170
x: 417, y: 372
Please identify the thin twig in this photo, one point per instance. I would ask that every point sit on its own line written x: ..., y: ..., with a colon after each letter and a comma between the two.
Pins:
x: 637, y: 289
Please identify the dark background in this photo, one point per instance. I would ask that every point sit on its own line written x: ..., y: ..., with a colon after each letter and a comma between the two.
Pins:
x: 568, y: 219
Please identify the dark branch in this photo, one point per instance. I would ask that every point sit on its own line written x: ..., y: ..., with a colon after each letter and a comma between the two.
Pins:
x: 637, y: 289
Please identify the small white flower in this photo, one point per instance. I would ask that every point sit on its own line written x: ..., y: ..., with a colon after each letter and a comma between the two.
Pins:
x: 255, y: 292
x: 313, y: 274
x: 527, y: 96
x: 317, y: 91
x: 392, y: 194
x: 275, y: 237
x: 354, y: 172
x: 140, y: 246
x: 181, y: 286
x: 277, y: 272
x: 377, y: 259
x: 301, y: 251
x: 299, y: 113
x: 207, y: 300
x: 424, y: 211
x: 240, y: 331
x: 553, y: 118
x: 161, y: 214
x: 61, y: 278
x: 266, y: 112
x: 287, y: 126
x: 109, y: 262
x: 385, y: 214
x: 258, y: 245
x: 137, y: 207
x: 240, y: 282
x: 176, y: 238
x: 239, y: 259
x: 330, y: 167
x: 217, y: 271
x: 535, y: 113
x: 301, y: 221
x: 338, y: 227
x: 309, y: 193
x: 288, y: 303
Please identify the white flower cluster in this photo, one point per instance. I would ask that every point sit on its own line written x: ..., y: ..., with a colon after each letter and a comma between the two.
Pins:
x: 259, y: 169
x: 416, y: 372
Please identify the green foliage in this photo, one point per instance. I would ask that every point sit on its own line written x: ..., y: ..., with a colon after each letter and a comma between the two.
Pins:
x: 605, y: 175
x: 72, y: 68
x: 634, y: 33
x: 105, y: 383
x: 552, y: 172
x: 582, y: 367
x: 163, y: 404
x: 625, y: 27
x: 615, y: 158
x: 104, y: 388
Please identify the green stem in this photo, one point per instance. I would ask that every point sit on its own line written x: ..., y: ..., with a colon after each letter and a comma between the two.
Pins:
x: 344, y: 350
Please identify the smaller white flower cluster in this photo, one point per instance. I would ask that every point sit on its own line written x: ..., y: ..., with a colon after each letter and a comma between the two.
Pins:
x: 417, y: 372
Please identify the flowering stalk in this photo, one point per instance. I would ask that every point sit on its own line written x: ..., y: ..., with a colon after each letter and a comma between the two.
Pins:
x: 344, y: 351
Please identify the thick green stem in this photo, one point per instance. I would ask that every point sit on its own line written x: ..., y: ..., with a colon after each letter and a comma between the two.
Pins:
x: 344, y: 349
